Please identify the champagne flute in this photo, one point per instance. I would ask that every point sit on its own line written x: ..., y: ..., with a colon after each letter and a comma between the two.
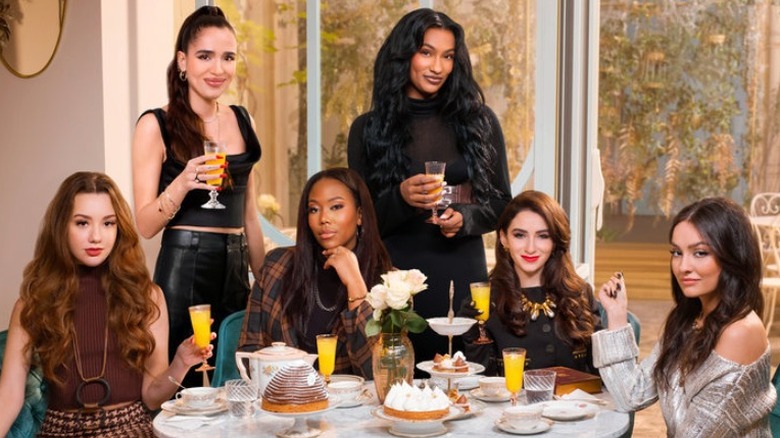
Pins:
x: 200, y: 316
x: 218, y: 150
x: 480, y: 294
x: 435, y: 169
x: 514, y: 364
x: 326, y: 352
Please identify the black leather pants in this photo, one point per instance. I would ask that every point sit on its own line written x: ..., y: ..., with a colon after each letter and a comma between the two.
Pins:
x: 196, y: 267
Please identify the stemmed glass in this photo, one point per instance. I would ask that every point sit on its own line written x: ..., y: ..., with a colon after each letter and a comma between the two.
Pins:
x: 200, y: 316
x: 514, y: 364
x: 218, y: 150
x: 480, y: 294
x: 326, y: 353
x: 435, y: 169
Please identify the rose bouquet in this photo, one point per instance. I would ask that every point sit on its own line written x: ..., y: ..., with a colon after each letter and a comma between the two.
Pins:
x: 392, y: 301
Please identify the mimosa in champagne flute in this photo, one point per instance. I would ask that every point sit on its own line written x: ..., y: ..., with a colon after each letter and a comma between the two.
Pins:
x: 435, y: 169
x: 219, y: 153
x: 326, y: 353
x: 480, y: 294
x: 514, y: 364
x: 200, y: 316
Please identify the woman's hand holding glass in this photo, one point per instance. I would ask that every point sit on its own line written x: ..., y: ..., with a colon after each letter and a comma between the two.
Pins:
x: 214, y: 176
x: 200, y: 316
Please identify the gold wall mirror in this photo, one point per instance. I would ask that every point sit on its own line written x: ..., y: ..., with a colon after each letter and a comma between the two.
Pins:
x: 30, y: 32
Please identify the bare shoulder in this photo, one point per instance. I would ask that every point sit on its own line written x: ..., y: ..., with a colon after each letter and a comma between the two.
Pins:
x: 743, y: 341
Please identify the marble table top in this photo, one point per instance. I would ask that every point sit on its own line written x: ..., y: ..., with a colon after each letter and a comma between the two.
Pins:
x: 364, y: 421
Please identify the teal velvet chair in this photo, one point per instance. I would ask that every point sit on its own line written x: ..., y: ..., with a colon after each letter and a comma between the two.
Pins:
x: 34, y: 408
x: 774, y: 416
x: 229, y: 332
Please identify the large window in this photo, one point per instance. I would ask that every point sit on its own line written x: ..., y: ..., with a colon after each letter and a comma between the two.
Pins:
x: 274, y: 78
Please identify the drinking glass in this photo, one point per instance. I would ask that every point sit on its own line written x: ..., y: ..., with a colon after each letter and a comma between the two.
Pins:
x: 218, y: 150
x: 514, y: 363
x: 326, y: 352
x: 240, y: 397
x: 200, y: 316
x: 539, y: 385
x: 435, y: 169
x: 480, y: 294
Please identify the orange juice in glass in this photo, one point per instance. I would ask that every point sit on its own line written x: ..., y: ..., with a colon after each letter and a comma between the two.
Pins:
x: 200, y: 316
x: 326, y: 353
x: 480, y: 294
x: 436, y: 170
x: 218, y: 160
x: 217, y: 155
x: 514, y: 364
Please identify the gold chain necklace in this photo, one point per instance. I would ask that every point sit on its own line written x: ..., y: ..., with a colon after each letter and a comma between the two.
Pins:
x: 534, y: 309
x: 99, y: 379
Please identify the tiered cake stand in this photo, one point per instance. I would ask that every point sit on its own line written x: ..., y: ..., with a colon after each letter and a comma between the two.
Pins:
x: 450, y: 327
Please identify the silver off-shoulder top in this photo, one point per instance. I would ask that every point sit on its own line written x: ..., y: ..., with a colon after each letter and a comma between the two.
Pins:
x: 720, y: 399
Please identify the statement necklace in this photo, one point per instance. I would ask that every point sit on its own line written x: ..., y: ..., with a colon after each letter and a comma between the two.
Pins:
x: 534, y: 309
x: 99, y: 379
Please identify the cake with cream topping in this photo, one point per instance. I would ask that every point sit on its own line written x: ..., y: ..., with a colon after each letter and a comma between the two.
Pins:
x: 455, y: 364
x: 412, y: 403
x: 295, y: 388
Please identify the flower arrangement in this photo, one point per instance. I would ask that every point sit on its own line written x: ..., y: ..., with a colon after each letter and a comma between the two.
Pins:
x: 392, y: 301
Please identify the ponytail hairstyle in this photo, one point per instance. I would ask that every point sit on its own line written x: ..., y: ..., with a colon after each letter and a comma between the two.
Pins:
x: 184, y: 126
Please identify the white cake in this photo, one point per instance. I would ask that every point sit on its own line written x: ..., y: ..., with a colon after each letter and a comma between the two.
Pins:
x: 412, y: 403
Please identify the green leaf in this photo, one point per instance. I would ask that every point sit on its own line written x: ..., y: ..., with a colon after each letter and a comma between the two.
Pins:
x: 373, y: 328
x: 415, y: 323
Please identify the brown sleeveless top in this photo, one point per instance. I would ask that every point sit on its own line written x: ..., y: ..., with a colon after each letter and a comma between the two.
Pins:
x: 90, y: 323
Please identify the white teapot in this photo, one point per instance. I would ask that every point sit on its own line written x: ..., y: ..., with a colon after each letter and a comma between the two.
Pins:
x: 264, y: 363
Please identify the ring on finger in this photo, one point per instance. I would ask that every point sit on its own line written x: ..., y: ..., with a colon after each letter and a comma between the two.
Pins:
x: 197, y: 180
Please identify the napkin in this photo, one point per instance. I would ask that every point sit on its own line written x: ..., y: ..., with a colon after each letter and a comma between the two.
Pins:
x: 579, y: 394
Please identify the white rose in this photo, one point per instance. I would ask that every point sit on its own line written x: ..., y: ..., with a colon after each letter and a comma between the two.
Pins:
x: 416, y: 280
x: 377, y: 298
x: 397, y: 298
x: 377, y: 315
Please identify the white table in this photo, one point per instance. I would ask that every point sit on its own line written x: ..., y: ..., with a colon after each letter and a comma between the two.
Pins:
x: 359, y: 422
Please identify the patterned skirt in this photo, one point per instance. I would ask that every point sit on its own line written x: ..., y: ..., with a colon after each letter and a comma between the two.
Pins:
x: 129, y: 421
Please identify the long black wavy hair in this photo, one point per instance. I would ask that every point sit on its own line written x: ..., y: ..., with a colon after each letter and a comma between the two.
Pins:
x: 571, y: 293
x: 462, y: 106
x: 372, y: 256
x: 184, y: 126
x: 725, y: 227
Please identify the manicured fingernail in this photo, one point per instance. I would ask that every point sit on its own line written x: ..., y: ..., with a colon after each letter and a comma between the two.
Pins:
x: 618, y: 287
x: 619, y: 274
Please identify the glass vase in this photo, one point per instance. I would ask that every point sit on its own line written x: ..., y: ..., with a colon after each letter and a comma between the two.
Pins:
x: 392, y: 360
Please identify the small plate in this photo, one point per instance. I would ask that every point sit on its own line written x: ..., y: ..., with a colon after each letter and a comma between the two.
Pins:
x: 427, y: 366
x: 364, y: 397
x: 563, y: 410
x: 531, y: 429
x: 180, y: 408
x: 502, y: 397
x: 475, y: 408
x: 466, y: 383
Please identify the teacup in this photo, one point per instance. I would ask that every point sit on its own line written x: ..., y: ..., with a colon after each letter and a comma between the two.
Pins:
x: 345, y: 388
x: 198, y: 397
x: 492, y: 386
x: 522, y: 415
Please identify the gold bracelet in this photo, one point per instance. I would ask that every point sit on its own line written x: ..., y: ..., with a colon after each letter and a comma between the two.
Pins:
x: 161, y: 209
x: 352, y: 300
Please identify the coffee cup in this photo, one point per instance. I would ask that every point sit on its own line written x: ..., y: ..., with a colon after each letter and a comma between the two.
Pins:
x: 492, y: 386
x: 345, y: 388
x: 198, y: 397
x: 522, y: 415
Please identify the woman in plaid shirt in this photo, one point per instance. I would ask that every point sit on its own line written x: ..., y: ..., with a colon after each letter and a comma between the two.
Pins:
x: 320, y: 285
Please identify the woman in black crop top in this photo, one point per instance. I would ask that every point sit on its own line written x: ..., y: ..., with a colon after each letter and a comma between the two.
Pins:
x: 205, y: 255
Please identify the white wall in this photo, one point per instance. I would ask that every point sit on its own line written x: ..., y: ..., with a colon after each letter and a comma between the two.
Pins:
x: 77, y: 115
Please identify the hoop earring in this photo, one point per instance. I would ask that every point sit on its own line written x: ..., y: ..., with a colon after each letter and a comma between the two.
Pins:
x: 182, y: 75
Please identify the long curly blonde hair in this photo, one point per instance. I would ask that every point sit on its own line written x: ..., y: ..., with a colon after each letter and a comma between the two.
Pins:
x: 50, y: 282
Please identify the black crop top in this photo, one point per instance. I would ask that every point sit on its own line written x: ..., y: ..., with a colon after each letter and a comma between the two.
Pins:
x: 239, y: 168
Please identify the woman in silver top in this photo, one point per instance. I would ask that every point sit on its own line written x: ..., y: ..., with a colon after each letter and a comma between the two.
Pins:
x: 711, y: 369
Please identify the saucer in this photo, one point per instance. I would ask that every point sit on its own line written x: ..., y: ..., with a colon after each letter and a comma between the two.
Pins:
x: 364, y: 397
x: 475, y: 408
x: 502, y: 397
x: 564, y: 410
x: 531, y: 428
x: 180, y: 408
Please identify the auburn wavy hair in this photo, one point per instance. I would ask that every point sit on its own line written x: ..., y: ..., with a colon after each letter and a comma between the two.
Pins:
x: 571, y: 294
x: 50, y: 282
x: 727, y: 230
x: 463, y: 106
x: 184, y: 126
